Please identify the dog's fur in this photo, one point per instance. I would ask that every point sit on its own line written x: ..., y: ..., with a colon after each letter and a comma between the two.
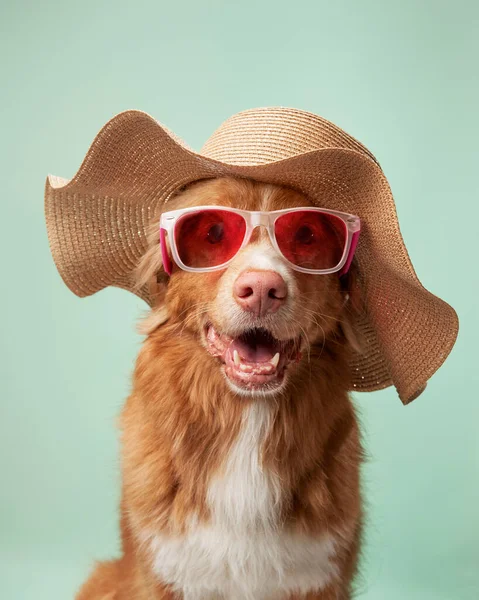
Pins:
x: 230, y: 494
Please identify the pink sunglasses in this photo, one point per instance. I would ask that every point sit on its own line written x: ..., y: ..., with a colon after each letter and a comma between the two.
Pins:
x: 311, y: 240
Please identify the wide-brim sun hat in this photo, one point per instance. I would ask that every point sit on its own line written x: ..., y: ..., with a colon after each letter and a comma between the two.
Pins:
x: 98, y: 222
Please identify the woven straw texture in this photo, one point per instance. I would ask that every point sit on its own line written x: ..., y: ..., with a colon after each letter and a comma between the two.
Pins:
x: 97, y: 222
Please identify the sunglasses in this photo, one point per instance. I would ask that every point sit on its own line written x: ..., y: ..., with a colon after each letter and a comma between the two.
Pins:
x: 207, y: 238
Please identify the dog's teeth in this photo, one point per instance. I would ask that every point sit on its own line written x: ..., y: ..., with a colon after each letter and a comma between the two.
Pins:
x: 275, y: 360
x: 236, y: 358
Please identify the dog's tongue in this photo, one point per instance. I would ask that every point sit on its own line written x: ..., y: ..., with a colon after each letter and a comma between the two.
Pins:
x: 255, y: 347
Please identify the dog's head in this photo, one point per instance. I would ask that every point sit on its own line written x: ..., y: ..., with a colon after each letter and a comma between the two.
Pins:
x: 258, y: 317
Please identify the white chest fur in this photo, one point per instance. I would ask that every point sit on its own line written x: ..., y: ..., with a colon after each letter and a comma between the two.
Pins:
x: 243, y: 553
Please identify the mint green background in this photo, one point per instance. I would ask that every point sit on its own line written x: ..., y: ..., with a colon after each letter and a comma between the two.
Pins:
x: 400, y: 76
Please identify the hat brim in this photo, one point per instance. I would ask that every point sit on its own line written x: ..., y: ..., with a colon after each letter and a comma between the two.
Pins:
x: 97, y: 225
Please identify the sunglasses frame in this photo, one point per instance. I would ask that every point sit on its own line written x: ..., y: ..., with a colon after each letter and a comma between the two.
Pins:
x: 254, y: 219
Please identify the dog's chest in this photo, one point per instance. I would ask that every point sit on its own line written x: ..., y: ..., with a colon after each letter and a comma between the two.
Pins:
x: 243, y: 552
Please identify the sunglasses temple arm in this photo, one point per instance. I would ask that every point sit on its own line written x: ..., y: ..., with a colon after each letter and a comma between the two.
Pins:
x: 352, y: 250
x: 164, y: 252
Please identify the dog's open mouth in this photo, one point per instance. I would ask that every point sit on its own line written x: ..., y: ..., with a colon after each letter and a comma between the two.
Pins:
x: 255, y: 360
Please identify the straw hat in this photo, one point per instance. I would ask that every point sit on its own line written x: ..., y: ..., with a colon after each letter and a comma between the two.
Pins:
x: 97, y: 222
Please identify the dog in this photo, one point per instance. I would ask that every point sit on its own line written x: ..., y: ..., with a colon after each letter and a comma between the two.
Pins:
x: 240, y: 446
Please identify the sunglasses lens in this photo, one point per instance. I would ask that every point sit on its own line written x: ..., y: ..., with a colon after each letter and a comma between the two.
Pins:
x: 311, y: 239
x: 209, y: 238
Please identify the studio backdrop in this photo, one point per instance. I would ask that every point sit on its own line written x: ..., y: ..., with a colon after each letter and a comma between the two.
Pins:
x: 402, y: 78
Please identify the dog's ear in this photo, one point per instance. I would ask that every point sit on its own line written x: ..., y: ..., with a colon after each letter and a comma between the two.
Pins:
x: 150, y: 273
x: 352, y: 307
x: 159, y: 312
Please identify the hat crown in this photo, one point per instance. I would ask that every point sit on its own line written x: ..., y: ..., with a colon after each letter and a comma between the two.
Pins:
x: 265, y: 135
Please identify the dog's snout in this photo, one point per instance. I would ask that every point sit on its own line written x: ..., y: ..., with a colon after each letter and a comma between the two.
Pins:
x: 260, y: 292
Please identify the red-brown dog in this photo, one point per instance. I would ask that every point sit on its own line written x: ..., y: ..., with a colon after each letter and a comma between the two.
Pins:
x: 241, y: 449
